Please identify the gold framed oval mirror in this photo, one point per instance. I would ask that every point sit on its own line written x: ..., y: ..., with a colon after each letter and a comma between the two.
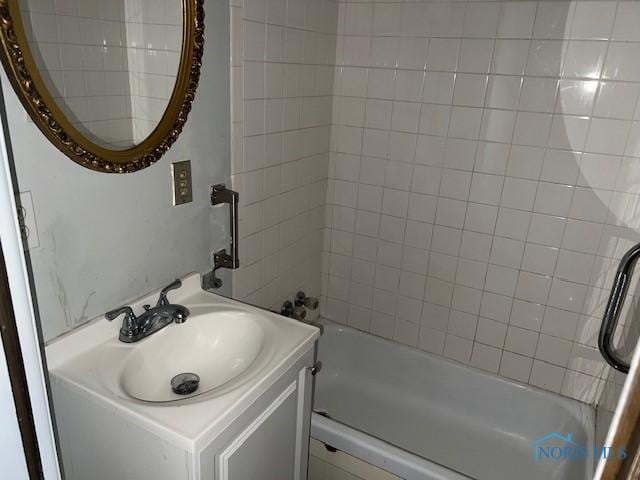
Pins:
x: 109, y: 82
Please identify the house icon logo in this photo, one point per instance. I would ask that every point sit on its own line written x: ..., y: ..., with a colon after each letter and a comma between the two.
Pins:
x: 554, y: 435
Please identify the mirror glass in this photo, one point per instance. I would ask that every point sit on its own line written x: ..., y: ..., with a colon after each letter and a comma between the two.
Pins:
x: 110, y: 66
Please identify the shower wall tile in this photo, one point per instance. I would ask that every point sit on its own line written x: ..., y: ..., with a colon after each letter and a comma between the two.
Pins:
x: 483, y: 181
x: 282, y: 71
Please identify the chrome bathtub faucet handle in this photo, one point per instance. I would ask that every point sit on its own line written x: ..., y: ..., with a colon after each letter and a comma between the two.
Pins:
x: 299, y: 313
x: 308, y: 302
x: 287, y: 309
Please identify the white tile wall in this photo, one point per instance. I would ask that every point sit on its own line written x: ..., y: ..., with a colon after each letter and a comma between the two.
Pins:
x: 283, y: 56
x: 483, y: 180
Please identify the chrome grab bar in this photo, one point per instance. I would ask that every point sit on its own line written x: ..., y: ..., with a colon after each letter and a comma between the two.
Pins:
x: 222, y: 259
x: 614, y: 308
x: 221, y: 194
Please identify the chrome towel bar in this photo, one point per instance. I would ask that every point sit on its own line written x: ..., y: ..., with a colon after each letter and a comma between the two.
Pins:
x: 614, y: 308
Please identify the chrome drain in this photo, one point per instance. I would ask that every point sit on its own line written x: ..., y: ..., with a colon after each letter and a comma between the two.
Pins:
x: 185, y: 383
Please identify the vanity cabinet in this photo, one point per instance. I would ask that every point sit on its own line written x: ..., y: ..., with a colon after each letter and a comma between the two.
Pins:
x: 251, y: 422
x: 270, y: 441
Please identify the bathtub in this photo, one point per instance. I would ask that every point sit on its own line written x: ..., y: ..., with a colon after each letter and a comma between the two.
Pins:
x: 422, y: 417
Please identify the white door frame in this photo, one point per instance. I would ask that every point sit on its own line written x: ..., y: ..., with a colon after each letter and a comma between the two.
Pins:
x: 12, y: 457
x: 25, y: 315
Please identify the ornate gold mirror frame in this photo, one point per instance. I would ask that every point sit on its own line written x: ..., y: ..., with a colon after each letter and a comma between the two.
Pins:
x: 19, y: 63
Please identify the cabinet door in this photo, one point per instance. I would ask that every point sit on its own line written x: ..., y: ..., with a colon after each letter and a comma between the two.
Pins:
x: 274, y: 446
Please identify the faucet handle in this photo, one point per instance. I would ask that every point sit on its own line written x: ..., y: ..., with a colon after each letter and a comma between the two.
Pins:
x: 287, y: 309
x: 302, y: 300
x: 113, y: 314
x: 163, y: 300
x: 129, y: 327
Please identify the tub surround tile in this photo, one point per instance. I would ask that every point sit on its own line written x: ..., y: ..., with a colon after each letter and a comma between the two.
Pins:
x: 282, y: 58
x: 487, y: 165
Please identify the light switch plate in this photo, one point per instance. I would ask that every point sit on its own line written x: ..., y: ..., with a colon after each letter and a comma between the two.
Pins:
x: 182, y: 186
x: 27, y: 219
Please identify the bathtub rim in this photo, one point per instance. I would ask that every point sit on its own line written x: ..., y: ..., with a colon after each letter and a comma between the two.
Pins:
x: 377, y: 452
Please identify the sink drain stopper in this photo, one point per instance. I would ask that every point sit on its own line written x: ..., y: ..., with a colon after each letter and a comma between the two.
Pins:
x: 185, y: 383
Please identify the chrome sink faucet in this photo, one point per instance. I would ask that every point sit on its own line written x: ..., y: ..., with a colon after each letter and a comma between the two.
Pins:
x: 151, y: 320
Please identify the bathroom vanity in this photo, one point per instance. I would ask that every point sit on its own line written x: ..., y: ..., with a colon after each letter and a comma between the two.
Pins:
x: 249, y: 418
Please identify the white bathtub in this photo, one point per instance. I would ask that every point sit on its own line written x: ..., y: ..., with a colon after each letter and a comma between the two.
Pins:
x: 422, y: 417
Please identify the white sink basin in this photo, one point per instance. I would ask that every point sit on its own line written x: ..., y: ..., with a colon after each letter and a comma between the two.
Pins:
x: 217, y: 344
x: 237, y: 350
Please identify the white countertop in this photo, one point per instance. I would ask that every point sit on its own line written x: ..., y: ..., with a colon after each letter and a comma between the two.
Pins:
x: 90, y: 359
